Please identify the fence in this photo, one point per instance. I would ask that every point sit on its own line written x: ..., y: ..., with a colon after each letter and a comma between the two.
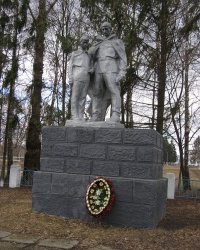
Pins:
x: 193, y: 193
x: 26, y: 178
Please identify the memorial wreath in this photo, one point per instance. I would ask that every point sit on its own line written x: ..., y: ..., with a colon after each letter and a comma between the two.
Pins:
x: 99, y: 197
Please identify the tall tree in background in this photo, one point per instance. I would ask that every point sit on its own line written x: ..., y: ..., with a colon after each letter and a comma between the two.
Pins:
x: 61, y: 38
x: 4, y: 44
x: 18, y: 21
x: 163, y: 23
x: 33, y: 143
x: 195, y: 153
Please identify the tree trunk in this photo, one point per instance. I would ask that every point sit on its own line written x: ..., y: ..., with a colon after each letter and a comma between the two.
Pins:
x: 162, y: 66
x: 33, y: 144
x: 14, y: 70
x: 50, y: 120
x: 64, y: 84
x: 185, y: 174
x: 11, y: 78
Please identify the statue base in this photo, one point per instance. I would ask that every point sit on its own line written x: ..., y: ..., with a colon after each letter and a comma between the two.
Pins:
x: 73, y: 156
x: 86, y: 124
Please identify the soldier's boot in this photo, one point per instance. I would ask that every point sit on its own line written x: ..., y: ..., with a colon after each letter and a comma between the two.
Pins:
x: 96, y: 117
x: 115, y: 117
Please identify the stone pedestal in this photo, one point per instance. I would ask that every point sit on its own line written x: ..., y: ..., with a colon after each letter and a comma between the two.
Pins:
x: 72, y: 157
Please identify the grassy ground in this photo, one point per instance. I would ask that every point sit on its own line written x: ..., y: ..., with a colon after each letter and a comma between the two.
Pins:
x: 194, y: 171
x: 179, y: 230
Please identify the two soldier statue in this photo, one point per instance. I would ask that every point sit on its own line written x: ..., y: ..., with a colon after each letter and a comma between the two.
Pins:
x: 99, y: 73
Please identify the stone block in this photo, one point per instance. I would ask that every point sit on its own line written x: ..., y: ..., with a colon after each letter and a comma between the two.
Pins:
x: 47, y: 149
x: 52, y: 165
x: 159, y: 156
x: 54, y: 133
x: 78, y: 166
x: 131, y: 158
x: 140, y: 136
x: 83, y: 135
x: 149, y: 192
x: 133, y: 215
x: 121, y: 153
x: 147, y: 154
x: 105, y: 168
x: 158, y: 171
x: 108, y: 136
x: 41, y: 182
x: 93, y: 151
x: 69, y: 185
x: 123, y: 189
x: 65, y: 150
x: 139, y: 170
x: 61, y: 205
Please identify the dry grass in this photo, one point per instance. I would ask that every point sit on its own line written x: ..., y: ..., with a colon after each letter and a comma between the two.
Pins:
x: 179, y: 230
x: 194, y: 171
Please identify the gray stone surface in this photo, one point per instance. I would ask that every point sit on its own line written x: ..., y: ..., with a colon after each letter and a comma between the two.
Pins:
x: 14, y: 243
x: 109, y: 136
x: 108, y: 168
x: 147, y: 154
x: 140, y: 137
x: 149, y: 192
x: 59, y: 243
x: 81, y: 135
x: 42, y: 182
x: 123, y: 189
x: 100, y: 247
x: 4, y: 234
x: 69, y: 185
x: 11, y: 246
x: 93, y: 151
x: 78, y: 166
x: 21, y: 239
x: 121, y: 153
x: 52, y: 164
x: 140, y: 170
x: 100, y: 124
x: 47, y: 149
x: 129, y: 214
x: 60, y: 205
x: 130, y: 158
x: 53, y: 133
x: 65, y: 150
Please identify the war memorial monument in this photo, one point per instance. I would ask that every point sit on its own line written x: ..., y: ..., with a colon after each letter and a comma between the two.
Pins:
x: 97, y: 170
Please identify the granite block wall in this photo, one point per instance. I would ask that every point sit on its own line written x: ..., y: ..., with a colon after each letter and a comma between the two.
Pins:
x: 131, y: 158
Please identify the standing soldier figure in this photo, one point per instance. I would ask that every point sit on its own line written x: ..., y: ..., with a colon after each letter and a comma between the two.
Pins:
x: 110, y: 69
x: 79, y: 78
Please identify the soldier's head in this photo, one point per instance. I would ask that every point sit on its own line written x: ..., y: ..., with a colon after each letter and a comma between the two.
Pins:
x: 84, y: 41
x: 106, y: 29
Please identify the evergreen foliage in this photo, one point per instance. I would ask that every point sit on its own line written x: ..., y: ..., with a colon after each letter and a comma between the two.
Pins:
x: 169, y: 151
